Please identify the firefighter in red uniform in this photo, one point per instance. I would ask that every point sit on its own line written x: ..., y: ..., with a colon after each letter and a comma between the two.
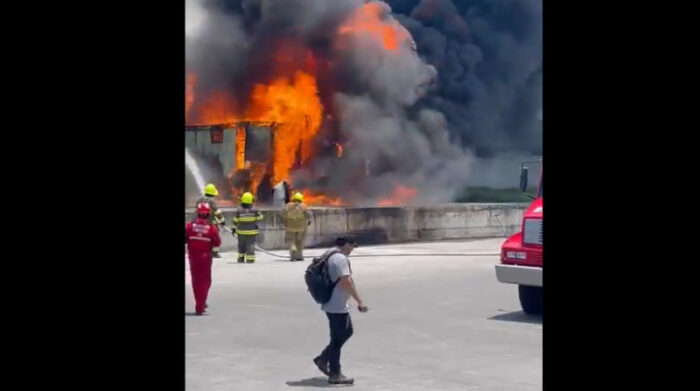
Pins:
x: 201, y: 237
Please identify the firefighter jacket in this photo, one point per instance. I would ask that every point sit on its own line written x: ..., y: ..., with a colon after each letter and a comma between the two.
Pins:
x: 245, y: 220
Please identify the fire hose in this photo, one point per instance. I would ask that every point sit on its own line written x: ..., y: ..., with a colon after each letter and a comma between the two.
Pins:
x: 378, y: 255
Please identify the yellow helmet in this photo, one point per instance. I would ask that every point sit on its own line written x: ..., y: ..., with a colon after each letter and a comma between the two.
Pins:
x: 247, y: 198
x: 210, y: 190
x: 298, y: 197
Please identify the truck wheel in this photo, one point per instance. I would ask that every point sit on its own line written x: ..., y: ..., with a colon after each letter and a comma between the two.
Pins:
x: 530, y: 299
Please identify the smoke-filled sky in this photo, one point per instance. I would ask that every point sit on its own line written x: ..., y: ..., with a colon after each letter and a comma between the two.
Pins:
x: 489, y: 59
x: 462, y: 109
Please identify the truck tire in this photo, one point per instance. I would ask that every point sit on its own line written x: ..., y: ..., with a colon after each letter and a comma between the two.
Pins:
x: 530, y: 299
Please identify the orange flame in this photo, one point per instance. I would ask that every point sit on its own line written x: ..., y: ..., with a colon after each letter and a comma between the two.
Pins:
x: 257, y: 172
x: 218, y: 108
x: 370, y: 20
x: 400, y: 196
x: 239, y: 147
x: 311, y: 198
x: 292, y: 104
x: 297, y: 108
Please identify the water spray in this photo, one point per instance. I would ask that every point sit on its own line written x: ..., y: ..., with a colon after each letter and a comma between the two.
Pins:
x: 194, y: 169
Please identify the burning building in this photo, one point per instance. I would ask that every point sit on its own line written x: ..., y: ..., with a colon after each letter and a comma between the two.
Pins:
x: 325, y: 95
x: 259, y: 155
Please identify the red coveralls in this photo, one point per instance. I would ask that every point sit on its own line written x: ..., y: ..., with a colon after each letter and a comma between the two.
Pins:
x: 201, y: 237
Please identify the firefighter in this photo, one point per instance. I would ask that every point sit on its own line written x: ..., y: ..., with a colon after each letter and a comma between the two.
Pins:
x: 216, y: 217
x: 296, y: 218
x: 200, y: 237
x: 245, y: 225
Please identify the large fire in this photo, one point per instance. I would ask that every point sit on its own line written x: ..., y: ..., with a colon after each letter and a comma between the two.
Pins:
x: 292, y: 104
x: 289, y: 101
x: 295, y: 105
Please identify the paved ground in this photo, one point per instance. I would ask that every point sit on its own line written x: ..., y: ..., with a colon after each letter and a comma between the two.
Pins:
x: 435, y: 323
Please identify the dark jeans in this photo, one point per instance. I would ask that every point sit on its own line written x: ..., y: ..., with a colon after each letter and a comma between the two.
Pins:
x: 341, y: 330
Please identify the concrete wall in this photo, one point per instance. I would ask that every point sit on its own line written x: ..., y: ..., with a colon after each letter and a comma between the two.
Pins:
x: 389, y: 224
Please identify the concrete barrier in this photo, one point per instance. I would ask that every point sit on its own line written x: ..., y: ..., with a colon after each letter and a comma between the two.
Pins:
x: 388, y: 224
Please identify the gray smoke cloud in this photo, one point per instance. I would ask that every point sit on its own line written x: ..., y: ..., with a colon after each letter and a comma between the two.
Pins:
x: 415, y: 118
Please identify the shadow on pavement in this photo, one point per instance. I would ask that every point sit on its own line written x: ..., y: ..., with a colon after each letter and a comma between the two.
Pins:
x: 518, y: 316
x: 312, y: 382
x: 194, y: 314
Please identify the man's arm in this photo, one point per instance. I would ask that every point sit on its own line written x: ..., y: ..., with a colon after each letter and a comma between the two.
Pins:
x: 348, y: 283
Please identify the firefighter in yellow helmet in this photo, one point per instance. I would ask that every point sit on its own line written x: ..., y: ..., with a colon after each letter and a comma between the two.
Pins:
x: 296, y: 218
x: 245, y: 225
x: 215, y: 217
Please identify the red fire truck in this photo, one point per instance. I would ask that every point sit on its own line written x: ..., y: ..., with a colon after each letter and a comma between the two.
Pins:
x: 521, y: 254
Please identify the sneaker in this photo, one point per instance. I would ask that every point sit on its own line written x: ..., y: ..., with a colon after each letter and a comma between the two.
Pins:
x: 322, y: 365
x: 240, y: 260
x: 340, y: 379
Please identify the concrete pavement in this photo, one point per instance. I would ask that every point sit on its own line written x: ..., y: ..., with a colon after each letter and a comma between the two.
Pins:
x: 435, y: 323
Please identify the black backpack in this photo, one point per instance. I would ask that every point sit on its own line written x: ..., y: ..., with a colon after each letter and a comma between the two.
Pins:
x: 318, y: 280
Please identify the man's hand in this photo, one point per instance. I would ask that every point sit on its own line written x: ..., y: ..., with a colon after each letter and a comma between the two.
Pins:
x: 362, y: 307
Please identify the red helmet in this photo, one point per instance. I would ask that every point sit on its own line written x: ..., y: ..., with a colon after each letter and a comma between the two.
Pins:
x: 203, y: 209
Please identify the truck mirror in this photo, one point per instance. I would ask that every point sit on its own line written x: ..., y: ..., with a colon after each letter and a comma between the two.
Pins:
x: 523, y: 178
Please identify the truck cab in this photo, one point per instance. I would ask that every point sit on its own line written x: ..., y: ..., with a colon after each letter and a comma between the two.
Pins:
x: 521, y: 253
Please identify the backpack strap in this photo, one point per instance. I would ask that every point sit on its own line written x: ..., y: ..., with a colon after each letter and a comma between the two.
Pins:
x: 328, y: 256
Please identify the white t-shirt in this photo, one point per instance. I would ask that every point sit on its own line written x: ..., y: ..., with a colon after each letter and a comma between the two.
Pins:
x: 338, y: 266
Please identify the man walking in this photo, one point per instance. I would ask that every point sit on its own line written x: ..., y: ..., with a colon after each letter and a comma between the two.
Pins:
x: 337, y: 310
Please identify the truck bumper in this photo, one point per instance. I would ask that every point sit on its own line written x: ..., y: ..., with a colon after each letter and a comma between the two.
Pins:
x: 521, y: 275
